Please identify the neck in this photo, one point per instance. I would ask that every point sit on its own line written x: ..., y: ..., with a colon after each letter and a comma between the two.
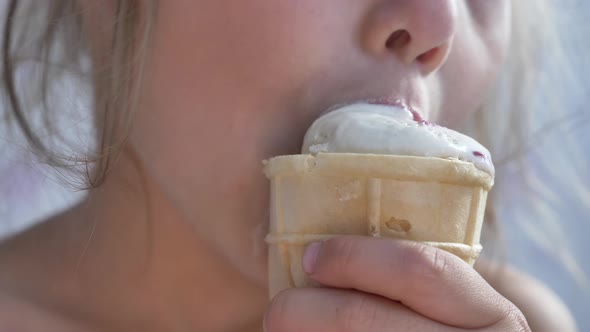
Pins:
x: 141, y: 254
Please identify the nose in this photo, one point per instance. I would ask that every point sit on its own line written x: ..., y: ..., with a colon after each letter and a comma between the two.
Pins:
x: 418, y: 32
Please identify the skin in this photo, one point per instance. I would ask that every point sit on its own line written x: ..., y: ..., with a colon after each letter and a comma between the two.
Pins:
x: 174, y: 239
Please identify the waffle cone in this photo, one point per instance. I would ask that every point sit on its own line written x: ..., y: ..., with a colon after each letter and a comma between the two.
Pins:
x: 437, y: 201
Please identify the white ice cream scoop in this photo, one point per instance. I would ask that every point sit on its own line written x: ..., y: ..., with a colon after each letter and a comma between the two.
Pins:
x: 391, y: 130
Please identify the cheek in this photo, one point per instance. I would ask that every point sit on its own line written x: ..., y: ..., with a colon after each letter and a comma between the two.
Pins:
x: 225, y: 72
x: 473, y: 65
x: 220, y: 86
x: 213, y: 71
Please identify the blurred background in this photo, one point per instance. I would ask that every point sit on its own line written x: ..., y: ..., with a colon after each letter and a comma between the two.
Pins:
x: 31, y: 191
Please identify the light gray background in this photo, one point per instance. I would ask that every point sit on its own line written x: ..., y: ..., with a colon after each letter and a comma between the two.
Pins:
x: 28, y: 193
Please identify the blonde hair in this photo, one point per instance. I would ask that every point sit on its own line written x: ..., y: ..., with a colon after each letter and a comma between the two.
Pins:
x: 54, y: 35
x: 502, y: 124
x: 524, y: 107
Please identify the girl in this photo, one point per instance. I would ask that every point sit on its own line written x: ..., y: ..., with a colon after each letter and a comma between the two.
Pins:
x: 188, y: 98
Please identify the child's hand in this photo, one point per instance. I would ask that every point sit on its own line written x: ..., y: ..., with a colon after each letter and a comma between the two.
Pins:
x: 390, y: 285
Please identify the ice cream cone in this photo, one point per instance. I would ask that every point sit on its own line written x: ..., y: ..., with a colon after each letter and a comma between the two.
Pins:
x: 433, y: 200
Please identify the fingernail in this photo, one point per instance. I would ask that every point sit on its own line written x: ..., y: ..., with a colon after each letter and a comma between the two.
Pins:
x: 310, y: 257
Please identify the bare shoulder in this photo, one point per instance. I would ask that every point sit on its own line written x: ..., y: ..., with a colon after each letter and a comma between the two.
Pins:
x: 543, y: 309
x: 19, y: 315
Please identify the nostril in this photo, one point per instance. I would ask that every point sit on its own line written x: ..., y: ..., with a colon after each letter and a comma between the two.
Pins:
x: 428, y: 56
x: 398, y: 39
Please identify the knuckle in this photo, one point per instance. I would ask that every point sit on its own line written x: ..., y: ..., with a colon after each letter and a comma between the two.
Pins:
x: 359, y: 314
x: 346, y: 251
x: 277, y: 314
x: 426, y: 263
x: 515, y: 320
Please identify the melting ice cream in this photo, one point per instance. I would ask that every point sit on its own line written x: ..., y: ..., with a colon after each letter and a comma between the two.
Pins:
x: 392, y: 130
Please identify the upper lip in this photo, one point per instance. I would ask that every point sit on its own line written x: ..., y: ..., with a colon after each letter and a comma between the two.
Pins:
x: 388, y: 101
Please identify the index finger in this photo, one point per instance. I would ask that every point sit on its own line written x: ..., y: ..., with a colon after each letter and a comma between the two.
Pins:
x: 431, y: 281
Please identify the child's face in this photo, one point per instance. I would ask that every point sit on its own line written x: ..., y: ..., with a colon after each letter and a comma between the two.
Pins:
x: 230, y: 83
